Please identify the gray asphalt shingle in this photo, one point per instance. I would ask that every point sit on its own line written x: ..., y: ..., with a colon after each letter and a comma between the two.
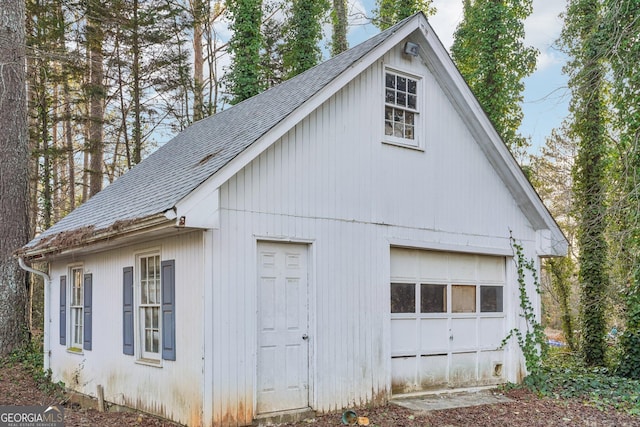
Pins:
x: 198, y: 152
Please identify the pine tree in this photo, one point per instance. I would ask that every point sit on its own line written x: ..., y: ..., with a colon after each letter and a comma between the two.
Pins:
x: 14, y: 184
x: 489, y: 52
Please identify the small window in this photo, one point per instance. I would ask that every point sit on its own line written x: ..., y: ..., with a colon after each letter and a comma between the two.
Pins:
x: 433, y: 298
x: 401, y: 108
x: 463, y: 299
x: 76, y: 308
x: 491, y: 299
x: 403, y: 298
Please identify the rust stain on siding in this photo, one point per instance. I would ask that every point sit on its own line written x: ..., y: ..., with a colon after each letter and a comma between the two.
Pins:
x: 235, y: 415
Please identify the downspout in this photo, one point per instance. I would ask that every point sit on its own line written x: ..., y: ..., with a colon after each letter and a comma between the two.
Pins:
x: 47, y: 311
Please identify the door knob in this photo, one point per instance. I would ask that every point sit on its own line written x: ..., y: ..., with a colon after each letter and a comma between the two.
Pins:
x: 305, y: 337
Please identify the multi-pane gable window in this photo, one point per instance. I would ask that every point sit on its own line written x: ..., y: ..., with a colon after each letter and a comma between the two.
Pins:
x: 76, y: 307
x: 401, y: 108
x: 150, y: 306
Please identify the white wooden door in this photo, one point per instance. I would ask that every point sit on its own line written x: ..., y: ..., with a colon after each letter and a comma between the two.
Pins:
x: 283, y: 327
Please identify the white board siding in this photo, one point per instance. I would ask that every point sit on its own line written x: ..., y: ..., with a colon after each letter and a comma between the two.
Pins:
x: 332, y: 183
x: 174, y: 390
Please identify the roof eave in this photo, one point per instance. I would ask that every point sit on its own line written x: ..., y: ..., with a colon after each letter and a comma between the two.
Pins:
x: 80, y: 239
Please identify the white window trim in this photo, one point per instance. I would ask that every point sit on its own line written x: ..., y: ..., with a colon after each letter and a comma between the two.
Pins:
x: 143, y: 357
x: 74, y: 347
x: 417, y: 143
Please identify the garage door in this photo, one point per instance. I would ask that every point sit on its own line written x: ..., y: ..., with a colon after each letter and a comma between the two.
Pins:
x: 447, y: 320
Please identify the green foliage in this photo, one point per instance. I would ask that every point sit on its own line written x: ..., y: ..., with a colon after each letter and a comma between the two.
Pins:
x: 244, y: 77
x: 390, y: 12
x: 562, y: 269
x: 629, y: 363
x: 304, y: 32
x: 564, y: 376
x: 30, y: 356
x: 533, y: 342
x: 581, y: 37
x: 622, y: 51
x: 489, y: 52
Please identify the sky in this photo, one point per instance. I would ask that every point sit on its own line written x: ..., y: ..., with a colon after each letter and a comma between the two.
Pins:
x: 546, y: 96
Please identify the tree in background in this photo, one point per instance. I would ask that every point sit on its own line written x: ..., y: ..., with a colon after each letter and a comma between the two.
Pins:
x: 244, y: 78
x: 14, y: 167
x: 581, y: 38
x: 621, y: 27
x: 551, y: 175
x: 489, y: 50
x: 304, y: 32
x: 339, y: 24
x: 95, y: 95
x: 390, y: 12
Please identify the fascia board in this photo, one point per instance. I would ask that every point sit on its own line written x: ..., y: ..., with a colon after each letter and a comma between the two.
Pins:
x: 438, y: 60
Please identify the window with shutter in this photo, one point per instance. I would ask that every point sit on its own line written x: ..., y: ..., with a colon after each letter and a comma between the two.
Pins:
x: 76, y: 309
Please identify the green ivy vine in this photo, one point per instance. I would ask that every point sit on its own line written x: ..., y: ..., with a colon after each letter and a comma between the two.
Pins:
x: 532, y: 342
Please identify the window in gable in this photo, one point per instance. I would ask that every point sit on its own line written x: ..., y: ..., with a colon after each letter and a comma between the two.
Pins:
x: 401, y: 108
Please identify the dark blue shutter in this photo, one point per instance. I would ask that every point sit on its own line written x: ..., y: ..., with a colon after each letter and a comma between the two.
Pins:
x: 127, y: 311
x: 63, y: 310
x: 88, y: 291
x: 168, y: 310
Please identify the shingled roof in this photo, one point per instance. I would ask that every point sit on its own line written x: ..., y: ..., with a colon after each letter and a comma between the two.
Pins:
x: 195, y: 154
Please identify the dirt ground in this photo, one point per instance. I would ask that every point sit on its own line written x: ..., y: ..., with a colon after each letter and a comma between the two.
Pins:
x: 17, y: 387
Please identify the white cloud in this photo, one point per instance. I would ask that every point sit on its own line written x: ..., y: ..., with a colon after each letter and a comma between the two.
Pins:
x: 446, y: 19
x: 543, y: 28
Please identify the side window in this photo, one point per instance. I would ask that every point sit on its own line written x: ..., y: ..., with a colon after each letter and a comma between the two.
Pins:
x: 155, y: 309
x: 401, y: 108
x: 149, y: 306
x: 76, y: 308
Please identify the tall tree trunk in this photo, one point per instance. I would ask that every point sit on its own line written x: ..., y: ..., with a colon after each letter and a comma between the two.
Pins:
x: 582, y: 36
x: 198, y: 9
x: 339, y: 43
x: 95, y: 38
x: 43, y: 113
x: 135, y: 74
x: 71, y: 191
x: 14, y: 180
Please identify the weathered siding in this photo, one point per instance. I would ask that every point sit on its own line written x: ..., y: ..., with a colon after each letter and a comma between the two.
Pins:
x: 332, y: 183
x: 173, y: 390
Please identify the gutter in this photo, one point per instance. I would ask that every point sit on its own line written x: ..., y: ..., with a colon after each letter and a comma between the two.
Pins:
x: 47, y: 311
x: 50, y: 245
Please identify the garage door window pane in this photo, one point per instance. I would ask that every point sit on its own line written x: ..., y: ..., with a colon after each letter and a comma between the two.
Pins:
x: 491, y: 299
x: 463, y: 299
x: 403, y: 298
x: 433, y: 298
